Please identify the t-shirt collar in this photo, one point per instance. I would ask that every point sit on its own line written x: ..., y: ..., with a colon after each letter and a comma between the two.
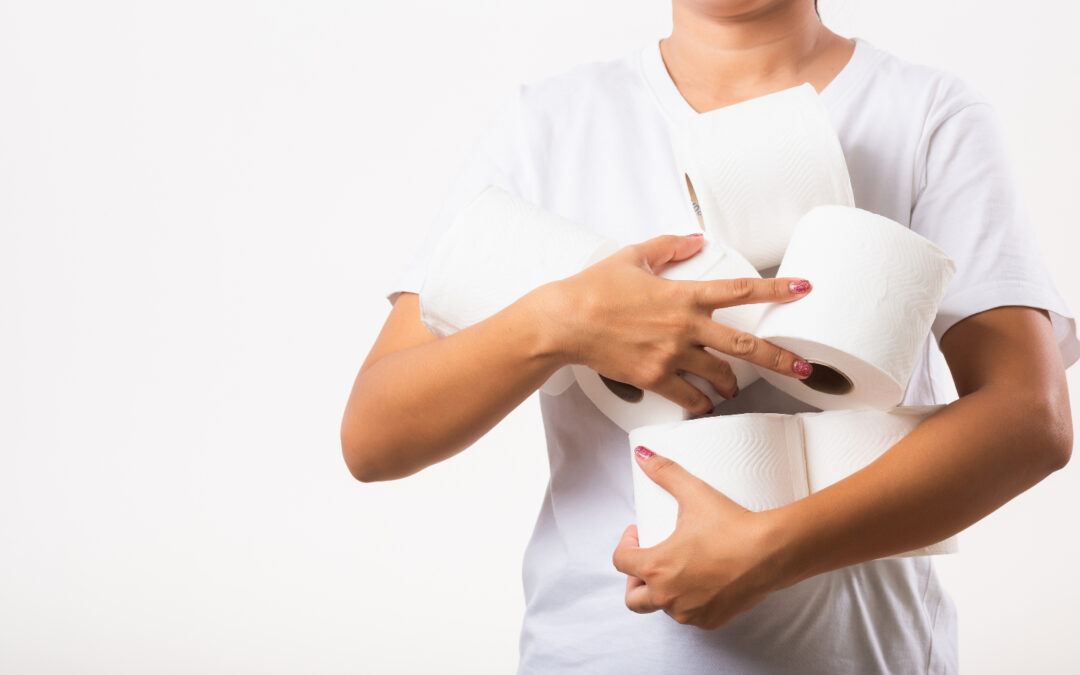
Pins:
x: 676, y: 108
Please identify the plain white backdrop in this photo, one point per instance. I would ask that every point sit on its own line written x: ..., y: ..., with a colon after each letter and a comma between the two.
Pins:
x: 200, y: 204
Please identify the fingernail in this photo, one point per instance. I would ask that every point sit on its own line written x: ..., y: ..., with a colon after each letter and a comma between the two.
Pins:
x: 696, y: 234
x: 735, y: 393
x: 802, y: 368
x: 643, y: 452
x: 800, y: 286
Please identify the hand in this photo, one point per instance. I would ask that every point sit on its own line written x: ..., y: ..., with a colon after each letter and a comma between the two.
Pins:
x: 622, y: 320
x: 721, y: 560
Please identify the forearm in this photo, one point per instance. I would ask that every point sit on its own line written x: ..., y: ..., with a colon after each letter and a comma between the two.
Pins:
x: 955, y: 468
x: 418, y: 406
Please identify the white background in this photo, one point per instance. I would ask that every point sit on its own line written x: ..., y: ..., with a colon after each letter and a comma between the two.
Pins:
x: 200, y: 203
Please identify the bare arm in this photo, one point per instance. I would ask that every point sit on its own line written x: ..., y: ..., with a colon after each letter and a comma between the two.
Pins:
x: 429, y: 395
x: 418, y: 399
x: 1009, y: 429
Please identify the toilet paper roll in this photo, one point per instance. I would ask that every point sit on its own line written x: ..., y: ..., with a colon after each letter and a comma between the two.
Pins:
x: 876, y: 290
x: 752, y: 169
x: 765, y: 461
x: 498, y: 248
x: 627, y: 405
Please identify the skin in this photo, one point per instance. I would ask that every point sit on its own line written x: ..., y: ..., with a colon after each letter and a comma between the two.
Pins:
x: 1010, y: 428
x: 616, y: 316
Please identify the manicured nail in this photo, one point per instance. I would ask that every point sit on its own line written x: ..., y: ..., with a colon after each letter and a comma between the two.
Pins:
x: 643, y: 452
x: 696, y: 234
x: 800, y: 286
x: 802, y: 368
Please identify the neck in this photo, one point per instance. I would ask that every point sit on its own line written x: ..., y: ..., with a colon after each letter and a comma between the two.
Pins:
x: 718, y: 57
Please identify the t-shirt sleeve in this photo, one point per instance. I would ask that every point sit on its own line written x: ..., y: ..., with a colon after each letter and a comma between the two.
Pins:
x: 495, y: 159
x: 969, y: 204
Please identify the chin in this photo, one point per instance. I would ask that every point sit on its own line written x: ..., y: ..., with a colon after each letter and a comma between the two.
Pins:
x: 735, y: 8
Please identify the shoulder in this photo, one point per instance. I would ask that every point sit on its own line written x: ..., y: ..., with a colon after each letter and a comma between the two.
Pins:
x: 583, y: 89
x: 927, y: 93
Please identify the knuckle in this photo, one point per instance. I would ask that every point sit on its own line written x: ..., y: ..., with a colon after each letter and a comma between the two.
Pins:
x: 701, y: 405
x: 661, y: 598
x: 652, y: 375
x: 723, y: 368
x: 667, y: 354
x: 778, y: 359
x: 682, y: 617
x: 680, y: 291
x: 741, y: 288
x: 686, y: 327
x: 743, y: 344
x: 671, y: 239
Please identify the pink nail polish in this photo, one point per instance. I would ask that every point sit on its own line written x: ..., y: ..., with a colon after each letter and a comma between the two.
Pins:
x: 696, y: 234
x: 802, y: 368
x: 800, y: 286
x: 643, y: 452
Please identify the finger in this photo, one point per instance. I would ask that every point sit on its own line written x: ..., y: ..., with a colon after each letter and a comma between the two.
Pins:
x: 654, y: 253
x: 716, y: 370
x: 684, y: 486
x: 677, y: 390
x: 629, y: 558
x: 637, y: 596
x: 750, y: 347
x: 669, y: 475
x: 717, y: 293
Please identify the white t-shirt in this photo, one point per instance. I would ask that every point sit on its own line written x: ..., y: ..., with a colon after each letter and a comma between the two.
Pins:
x: 593, y: 145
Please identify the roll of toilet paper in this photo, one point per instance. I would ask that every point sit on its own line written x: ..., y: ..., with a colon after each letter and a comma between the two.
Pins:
x: 765, y: 461
x: 749, y: 457
x: 752, y: 169
x: 629, y: 406
x: 876, y: 290
x: 498, y: 248
x: 840, y: 442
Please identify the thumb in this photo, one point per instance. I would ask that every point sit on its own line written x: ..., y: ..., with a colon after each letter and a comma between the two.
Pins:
x: 654, y: 253
x: 668, y: 474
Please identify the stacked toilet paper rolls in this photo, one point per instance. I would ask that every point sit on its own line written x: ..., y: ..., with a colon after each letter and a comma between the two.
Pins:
x: 498, y: 248
x: 629, y: 406
x: 750, y: 170
x: 764, y: 461
x: 877, y: 286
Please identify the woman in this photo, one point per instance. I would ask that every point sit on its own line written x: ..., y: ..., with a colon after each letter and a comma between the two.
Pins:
x: 799, y: 588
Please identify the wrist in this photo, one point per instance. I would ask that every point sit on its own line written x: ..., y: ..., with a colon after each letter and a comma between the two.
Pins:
x: 552, y: 313
x: 785, y: 550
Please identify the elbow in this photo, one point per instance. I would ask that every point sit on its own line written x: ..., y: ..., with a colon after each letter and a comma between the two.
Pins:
x: 360, y: 470
x: 1059, y: 447
x: 1056, y: 431
x: 360, y: 458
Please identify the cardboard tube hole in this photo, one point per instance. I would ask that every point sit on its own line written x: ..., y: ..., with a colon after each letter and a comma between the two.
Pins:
x: 626, y: 392
x: 694, y: 202
x: 828, y: 380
